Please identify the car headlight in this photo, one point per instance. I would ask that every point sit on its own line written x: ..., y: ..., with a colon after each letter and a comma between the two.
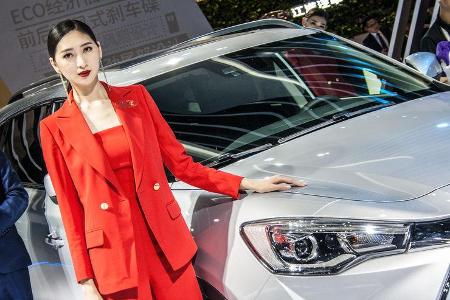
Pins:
x: 430, y: 234
x: 318, y: 246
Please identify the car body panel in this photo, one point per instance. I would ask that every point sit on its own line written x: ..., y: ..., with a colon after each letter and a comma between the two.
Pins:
x: 398, y: 178
x: 356, y: 160
x: 224, y: 260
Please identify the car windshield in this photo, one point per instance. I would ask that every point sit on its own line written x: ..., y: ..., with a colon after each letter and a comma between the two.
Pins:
x: 247, y: 101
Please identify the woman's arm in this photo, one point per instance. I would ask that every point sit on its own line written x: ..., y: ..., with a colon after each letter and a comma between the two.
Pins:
x: 184, y: 168
x: 270, y: 184
x: 68, y: 202
x: 181, y: 165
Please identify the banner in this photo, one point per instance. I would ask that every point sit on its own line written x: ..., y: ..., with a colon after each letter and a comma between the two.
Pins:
x: 125, y: 29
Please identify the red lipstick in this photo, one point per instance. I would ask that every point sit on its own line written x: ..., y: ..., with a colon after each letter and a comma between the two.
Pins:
x: 84, y: 73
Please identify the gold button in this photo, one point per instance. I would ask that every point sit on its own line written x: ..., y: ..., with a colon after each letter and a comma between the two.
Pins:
x: 104, y: 206
x: 156, y: 186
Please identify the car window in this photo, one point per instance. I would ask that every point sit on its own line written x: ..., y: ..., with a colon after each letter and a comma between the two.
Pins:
x: 332, y: 68
x: 247, y: 99
x: 20, y: 142
x: 211, y: 103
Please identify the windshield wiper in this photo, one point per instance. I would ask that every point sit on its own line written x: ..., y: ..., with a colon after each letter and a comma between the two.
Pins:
x: 368, y: 109
x: 227, y: 156
x: 336, y: 118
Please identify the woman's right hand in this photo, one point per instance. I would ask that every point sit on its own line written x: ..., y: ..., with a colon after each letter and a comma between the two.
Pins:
x: 90, y: 290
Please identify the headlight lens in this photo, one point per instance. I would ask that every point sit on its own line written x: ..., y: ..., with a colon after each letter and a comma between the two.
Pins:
x: 430, y: 234
x: 322, y: 246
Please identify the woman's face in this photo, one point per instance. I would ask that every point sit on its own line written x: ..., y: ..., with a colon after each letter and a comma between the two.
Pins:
x: 316, y: 22
x: 77, y: 58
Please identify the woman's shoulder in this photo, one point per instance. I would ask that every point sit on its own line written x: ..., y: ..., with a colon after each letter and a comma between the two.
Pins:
x: 124, y: 88
x: 50, y: 120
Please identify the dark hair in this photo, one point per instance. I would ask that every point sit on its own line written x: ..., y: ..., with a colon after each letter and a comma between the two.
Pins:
x: 367, y: 19
x: 60, y: 30
x: 316, y: 12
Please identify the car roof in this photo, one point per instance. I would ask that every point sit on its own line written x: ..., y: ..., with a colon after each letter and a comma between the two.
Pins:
x: 173, y: 60
x: 200, y: 40
x: 210, y: 37
x: 141, y: 69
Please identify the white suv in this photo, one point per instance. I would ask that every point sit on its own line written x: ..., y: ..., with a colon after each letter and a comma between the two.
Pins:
x: 369, y: 135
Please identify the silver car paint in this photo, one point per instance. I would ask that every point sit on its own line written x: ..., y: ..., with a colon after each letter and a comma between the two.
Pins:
x: 356, y: 160
x: 358, y: 157
x: 407, y: 167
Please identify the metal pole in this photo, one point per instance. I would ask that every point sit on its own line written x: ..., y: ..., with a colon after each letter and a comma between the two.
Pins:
x: 435, y: 12
x: 398, y: 32
x: 416, y: 28
x: 412, y: 29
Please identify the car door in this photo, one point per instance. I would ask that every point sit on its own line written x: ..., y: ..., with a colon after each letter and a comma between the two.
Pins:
x: 51, y: 272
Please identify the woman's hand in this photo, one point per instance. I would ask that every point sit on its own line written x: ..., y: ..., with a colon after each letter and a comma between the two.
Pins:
x: 271, y: 184
x: 90, y: 290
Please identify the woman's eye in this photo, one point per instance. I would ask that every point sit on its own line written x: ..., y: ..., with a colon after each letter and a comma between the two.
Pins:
x: 67, y: 55
x: 88, y: 49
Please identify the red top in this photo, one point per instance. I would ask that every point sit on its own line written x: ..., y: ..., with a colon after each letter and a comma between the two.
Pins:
x: 117, y: 150
x: 116, y: 147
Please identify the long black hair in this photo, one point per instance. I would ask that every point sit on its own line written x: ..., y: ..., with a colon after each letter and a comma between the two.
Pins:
x: 58, y: 31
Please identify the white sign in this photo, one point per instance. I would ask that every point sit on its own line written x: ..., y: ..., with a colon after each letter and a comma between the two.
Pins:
x: 300, y: 10
x: 125, y: 29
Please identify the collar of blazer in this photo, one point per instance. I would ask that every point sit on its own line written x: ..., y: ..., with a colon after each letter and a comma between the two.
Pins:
x: 76, y: 131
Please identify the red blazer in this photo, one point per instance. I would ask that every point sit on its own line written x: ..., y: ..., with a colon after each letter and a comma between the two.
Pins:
x: 89, y: 193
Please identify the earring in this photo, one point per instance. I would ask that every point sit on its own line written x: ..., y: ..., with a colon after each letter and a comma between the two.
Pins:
x: 102, y: 68
x: 64, y: 84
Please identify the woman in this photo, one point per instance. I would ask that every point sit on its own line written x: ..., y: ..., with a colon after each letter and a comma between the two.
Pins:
x: 127, y: 237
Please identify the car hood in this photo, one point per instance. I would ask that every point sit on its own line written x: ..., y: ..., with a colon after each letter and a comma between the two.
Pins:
x: 398, y: 153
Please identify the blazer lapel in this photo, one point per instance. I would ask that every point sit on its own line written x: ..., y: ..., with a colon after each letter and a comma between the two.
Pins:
x: 125, y: 102
x: 78, y: 134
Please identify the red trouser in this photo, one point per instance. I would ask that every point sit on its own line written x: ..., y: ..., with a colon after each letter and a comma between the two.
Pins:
x: 157, y: 280
x: 163, y: 285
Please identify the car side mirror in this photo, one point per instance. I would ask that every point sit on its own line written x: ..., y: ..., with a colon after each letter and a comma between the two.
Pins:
x: 425, y: 62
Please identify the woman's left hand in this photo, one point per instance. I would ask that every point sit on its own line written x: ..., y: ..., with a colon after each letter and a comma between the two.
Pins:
x: 270, y: 184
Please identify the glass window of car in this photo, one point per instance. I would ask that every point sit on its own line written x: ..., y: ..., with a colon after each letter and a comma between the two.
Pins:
x: 262, y: 95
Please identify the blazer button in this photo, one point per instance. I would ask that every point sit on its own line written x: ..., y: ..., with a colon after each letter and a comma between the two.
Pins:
x: 104, y: 206
x: 156, y: 186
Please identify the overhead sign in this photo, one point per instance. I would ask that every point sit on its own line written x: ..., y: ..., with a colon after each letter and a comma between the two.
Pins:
x: 125, y: 29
